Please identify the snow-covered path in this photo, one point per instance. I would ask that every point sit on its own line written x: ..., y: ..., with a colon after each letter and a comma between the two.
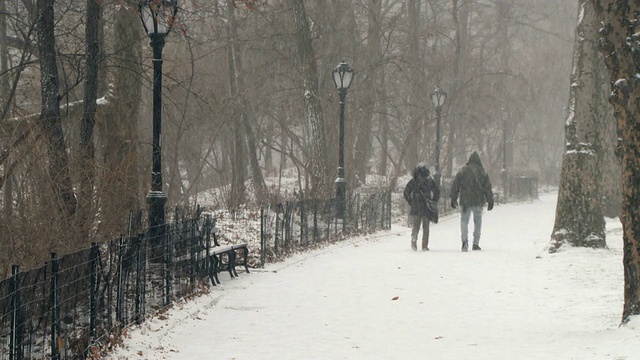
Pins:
x: 509, y: 301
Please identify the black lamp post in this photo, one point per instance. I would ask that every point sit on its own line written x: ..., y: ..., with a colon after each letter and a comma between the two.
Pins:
x: 438, y: 97
x: 342, y: 77
x: 157, y: 18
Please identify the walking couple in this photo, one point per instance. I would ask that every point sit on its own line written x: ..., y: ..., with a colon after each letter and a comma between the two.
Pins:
x: 471, y: 184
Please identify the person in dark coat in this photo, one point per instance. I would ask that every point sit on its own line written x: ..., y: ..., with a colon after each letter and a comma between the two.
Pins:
x: 421, y: 193
x: 473, y: 185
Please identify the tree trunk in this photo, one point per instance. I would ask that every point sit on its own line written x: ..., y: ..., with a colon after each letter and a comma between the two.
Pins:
x: 579, y: 220
x: 619, y: 45
x: 87, y: 149
x: 50, y: 115
x: 460, y: 13
x: 313, y: 109
x: 373, y: 63
x: 383, y: 127
x: 119, y: 184
x: 5, y: 94
x: 239, y: 172
x: 416, y: 96
x: 248, y: 116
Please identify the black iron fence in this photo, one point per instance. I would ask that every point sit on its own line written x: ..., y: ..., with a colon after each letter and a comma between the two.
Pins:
x: 76, y: 305
x: 300, y: 224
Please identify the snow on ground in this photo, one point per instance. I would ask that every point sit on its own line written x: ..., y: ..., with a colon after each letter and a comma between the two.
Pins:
x: 511, y: 300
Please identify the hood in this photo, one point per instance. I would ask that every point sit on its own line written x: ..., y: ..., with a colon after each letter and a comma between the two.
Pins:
x: 474, y: 159
x: 420, y: 170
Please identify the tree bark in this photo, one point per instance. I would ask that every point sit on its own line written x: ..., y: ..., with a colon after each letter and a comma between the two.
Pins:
x: 239, y: 172
x: 416, y: 95
x: 619, y: 44
x: 313, y: 109
x: 373, y: 61
x: 247, y: 116
x: 119, y: 184
x: 5, y: 94
x: 49, y: 119
x: 87, y: 124
x: 579, y: 220
x: 460, y: 13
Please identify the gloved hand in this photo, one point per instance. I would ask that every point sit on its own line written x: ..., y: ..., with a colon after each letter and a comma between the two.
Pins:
x: 490, y: 205
x: 454, y: 203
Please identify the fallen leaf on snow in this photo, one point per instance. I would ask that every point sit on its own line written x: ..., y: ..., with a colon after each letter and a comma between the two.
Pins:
x: 395, y: 298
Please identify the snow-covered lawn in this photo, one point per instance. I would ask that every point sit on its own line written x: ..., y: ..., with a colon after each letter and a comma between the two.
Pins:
x: 373, y: 298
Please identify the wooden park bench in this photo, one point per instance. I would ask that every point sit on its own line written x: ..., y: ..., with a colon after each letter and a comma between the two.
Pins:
x: 225, y: 258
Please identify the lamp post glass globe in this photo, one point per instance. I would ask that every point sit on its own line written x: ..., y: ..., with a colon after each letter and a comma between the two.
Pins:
x: 342, y: 76
x: 158, y: 16
x: 438, y: 97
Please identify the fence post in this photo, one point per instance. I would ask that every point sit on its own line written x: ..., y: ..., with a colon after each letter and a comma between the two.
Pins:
x: 383, y: 210
x: 54, y: 307
x: 14, y: 347
x: 345, y: 213
x: 93, y: 311
x: 137, y: 317
x: 315, y: 221
x: 276, y: 235
x: 192, y: 255
x: 302, y: 229
x: 207, y: 238
x: 167, y: 264
x: 287, y: 229
x: 389, y: 211
x: 144, y: 244
x: 119, y: 292
x: 358, y: 215
x: 262, y: 240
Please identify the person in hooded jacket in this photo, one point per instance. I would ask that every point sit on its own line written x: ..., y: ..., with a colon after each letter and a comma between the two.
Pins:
x: 418, y: 192
x: 473, y: 185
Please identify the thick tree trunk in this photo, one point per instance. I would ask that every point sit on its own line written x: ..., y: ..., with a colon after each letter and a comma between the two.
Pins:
x: 320, y: 185
x: 87, y: 149
x: 579, y: 220
x: 619, y: 45
x: 50, y: 114
x: 119, y: 183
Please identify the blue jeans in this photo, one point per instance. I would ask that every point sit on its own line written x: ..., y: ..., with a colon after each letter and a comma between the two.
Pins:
x: 477, y: 224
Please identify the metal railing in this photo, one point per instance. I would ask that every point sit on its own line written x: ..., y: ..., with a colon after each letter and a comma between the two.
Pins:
x: 77, y: 305
x: 300, y: 224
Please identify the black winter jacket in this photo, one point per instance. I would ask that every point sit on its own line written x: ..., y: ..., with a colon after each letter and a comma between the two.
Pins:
x: 420, y: 189
x: 472, y: 184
